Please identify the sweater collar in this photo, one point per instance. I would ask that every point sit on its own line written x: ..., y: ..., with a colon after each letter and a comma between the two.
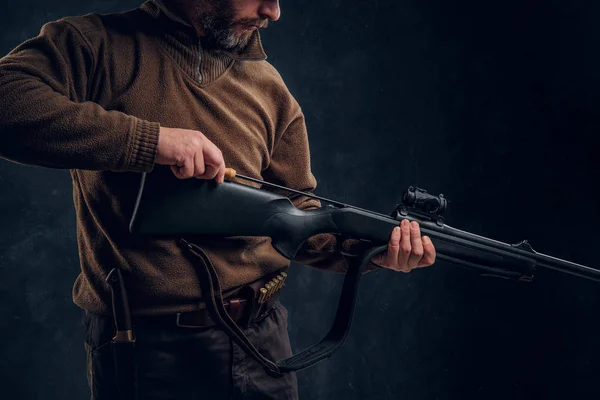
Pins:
x: 160, y: 11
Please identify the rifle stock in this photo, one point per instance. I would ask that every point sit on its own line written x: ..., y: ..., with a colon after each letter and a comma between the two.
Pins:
x: 172, y: 207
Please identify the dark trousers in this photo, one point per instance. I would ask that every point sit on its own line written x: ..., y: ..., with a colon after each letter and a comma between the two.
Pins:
x: 186, y: 363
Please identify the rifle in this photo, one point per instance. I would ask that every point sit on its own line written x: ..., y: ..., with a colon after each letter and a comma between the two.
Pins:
x: 176, y: 208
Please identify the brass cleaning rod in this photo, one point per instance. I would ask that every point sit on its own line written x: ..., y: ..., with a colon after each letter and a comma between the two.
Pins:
x: 231, y: 173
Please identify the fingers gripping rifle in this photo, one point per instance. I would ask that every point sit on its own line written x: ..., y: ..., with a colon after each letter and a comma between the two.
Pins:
x: 175, y: 208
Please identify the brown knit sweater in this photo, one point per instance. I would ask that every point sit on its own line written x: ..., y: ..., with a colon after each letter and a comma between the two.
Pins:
x: 89, y: 94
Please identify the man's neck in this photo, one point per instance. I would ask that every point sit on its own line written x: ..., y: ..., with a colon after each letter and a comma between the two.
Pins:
x: 180, y: 12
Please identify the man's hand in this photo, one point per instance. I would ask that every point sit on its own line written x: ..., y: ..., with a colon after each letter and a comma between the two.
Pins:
x: 406, y: 249
x: 190, y: 154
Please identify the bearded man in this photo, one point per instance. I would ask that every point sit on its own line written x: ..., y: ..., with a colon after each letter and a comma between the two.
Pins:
x: 180, y: 85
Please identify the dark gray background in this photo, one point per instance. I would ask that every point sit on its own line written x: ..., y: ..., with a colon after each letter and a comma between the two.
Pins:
x: 496, y: 104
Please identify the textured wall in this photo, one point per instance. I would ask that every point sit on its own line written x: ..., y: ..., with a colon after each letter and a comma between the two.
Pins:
x: 495, y: 104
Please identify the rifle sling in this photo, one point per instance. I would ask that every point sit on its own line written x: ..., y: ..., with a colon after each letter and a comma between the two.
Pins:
x: 213, y: 296
x: 343, y: 318
x: 211, y: 288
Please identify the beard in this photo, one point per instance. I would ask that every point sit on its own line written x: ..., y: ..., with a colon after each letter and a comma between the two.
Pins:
x: 223, y: 31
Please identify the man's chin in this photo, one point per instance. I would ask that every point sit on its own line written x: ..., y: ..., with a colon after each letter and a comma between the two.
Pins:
x: 239, y: 43
x: 232, y: 39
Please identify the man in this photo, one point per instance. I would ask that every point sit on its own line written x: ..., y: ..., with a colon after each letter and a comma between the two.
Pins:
x: 178, y: 85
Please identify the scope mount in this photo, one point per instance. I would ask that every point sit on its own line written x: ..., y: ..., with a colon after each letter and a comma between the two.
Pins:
x: 418, y: 203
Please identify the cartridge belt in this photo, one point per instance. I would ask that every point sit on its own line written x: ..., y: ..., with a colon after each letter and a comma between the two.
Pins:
x: 248, y: 304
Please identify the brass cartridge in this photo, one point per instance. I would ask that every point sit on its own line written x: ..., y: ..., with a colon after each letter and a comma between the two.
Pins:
x: 262, y: 296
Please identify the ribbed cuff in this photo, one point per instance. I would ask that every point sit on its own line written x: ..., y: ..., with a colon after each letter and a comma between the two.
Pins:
x: 144, y: 144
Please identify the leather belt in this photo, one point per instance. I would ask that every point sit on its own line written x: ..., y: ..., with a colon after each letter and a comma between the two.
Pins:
x: 236, y: 308
x: 239, y: 309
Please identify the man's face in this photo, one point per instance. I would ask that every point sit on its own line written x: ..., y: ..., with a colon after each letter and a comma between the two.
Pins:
x: 229, y: 23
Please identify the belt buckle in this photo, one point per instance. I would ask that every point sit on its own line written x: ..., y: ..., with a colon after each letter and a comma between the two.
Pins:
x: 180, y: 325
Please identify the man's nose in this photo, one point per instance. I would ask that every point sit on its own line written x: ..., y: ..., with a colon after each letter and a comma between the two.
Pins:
x: 270, y: 9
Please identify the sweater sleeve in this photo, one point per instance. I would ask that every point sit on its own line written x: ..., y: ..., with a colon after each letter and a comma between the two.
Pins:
x: 290, y: 166
x: 46, y: 118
